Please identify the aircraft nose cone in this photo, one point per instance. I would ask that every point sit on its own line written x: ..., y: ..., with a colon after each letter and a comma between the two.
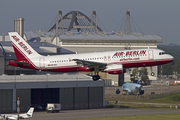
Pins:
x: 171, y: 57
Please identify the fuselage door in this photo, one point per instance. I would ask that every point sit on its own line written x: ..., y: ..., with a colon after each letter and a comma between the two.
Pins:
x: 151, y: 56
x: 41, y: 62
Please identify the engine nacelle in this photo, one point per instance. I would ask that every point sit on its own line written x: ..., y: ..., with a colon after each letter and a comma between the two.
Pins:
x: 117, y: 91
x: 21, y: 118
x: 141, y: 92
x: 115, y: 69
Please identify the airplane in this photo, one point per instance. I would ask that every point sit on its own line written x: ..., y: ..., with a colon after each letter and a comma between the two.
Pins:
x: 21, y: 116
x: 131, y: 88
x: 112, y: 62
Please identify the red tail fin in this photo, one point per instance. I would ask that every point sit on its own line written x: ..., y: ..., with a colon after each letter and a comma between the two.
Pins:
x: 21, y: 48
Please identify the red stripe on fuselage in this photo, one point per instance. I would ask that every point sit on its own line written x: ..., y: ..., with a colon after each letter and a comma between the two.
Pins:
x: 145, y: 63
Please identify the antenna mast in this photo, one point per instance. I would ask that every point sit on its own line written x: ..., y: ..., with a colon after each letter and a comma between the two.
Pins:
x: 127, y: 26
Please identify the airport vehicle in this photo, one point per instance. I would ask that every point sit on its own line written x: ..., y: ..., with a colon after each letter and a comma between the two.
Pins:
x: 21, y: 116
x: 131, y: 88
x: 52, y: 107
x: 113, y: 62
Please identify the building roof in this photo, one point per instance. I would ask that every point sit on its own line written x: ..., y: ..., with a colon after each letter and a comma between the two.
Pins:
x: 101, y: 36
x: 48, y: 81
x: 42, y: 48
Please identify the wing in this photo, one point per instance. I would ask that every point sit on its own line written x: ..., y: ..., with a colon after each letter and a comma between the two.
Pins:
x: 11, y: 118
x: 127, y: 90
x: 91, y: 64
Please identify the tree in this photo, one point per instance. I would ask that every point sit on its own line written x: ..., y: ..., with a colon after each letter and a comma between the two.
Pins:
x: 173, y: 50
x: 135, y: 73
x: 144, y: 75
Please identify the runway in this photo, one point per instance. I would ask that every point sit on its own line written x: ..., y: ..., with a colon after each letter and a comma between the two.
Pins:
x: 96, y: 113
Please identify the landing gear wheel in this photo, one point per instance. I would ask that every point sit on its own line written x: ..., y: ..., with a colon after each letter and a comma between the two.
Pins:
x: 96, y: 77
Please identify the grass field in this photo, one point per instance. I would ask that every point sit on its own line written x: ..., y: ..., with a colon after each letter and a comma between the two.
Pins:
x: 140, y: 117
x: 167, y: 99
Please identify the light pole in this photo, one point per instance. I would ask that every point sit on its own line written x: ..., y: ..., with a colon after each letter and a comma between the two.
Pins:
x: 47, y: 79
x: 18, y: 108
x: 161, y: 78
x: 14, y: 92
x: 15, y: 77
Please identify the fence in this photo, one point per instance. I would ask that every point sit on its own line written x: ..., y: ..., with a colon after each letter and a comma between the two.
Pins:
x: 140, y: 97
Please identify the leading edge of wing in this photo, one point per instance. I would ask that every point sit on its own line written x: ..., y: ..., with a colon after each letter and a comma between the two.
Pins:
x: 89, y: 63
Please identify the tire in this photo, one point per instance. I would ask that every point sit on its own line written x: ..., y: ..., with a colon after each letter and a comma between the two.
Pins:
x: 96, y: 77
x: 47, y: 111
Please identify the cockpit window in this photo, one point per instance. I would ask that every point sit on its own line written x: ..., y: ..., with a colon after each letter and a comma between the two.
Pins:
x: 162, y: 53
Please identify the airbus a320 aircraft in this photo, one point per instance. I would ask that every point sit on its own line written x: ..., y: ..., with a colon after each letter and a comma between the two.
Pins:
x: 113, y: 62
x: 21, y: 116
x: 132, y: 88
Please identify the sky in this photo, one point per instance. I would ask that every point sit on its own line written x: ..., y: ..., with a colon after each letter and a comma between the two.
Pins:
x: 153, y: 17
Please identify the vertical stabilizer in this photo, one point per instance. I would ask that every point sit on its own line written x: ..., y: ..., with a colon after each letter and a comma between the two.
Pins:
x: 139, y: 77
x: 30, y: 112
x: 21, y: 48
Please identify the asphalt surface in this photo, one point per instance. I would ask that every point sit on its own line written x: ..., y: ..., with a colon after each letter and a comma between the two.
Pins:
x: 97, y: 113
x: 108, y: 112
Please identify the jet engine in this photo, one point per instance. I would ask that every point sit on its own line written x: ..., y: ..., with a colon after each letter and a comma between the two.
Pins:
x: 141, y: 92
x: 117, y: 91
x: 114, y: 69
x: 21, y: 118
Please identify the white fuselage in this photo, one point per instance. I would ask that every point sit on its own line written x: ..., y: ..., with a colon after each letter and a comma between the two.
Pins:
x: 113, y: 61
x: 140, y: 58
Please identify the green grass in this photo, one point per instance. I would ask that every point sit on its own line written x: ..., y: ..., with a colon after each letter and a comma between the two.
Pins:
x: 169, y: 99
x: 139, y: 117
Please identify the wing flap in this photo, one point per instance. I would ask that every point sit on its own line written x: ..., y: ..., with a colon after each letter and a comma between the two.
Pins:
x: 90, y: 64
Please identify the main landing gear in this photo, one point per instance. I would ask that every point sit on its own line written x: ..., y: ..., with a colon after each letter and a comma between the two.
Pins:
x: 96, y: 76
